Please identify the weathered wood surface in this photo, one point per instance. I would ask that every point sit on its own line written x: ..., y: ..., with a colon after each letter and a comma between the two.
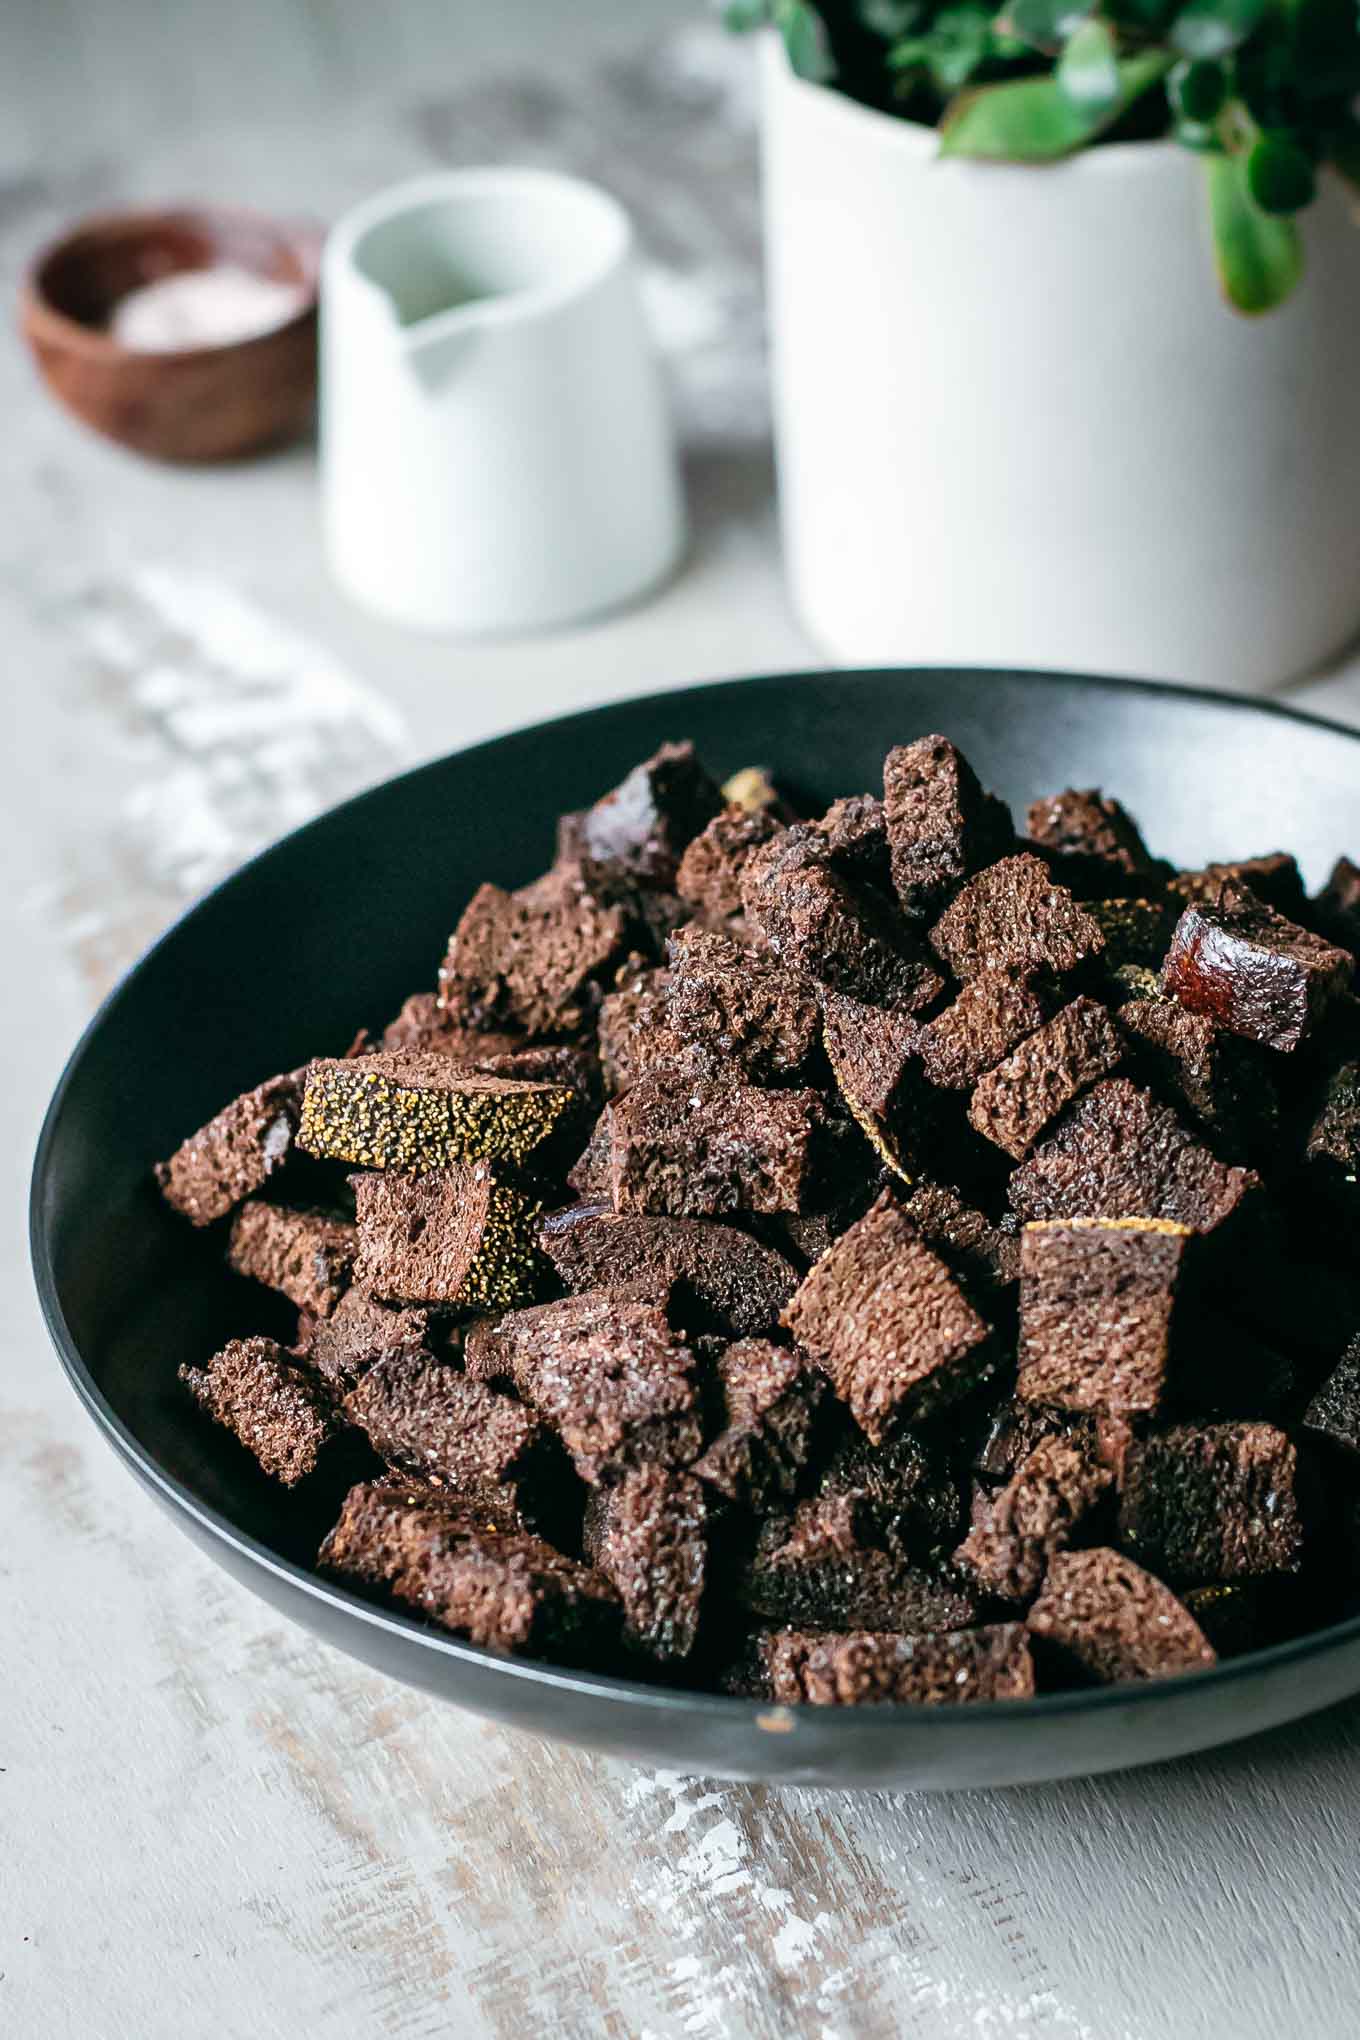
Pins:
x: 210, y: 1824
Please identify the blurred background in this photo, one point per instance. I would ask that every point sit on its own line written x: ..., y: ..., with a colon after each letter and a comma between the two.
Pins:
x: 83, y: 78
x: 190, y: 674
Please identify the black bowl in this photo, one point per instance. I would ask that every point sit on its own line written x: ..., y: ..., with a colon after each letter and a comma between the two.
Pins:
x: 328, y: 931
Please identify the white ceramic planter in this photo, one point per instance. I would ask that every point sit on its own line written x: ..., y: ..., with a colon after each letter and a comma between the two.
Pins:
x: 1016, y: 424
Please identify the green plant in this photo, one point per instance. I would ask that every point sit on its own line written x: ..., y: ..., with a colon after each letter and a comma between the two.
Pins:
x: 1265, y: 91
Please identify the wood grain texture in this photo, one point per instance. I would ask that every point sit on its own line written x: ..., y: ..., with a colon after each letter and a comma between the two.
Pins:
x: 217, y: 403
x: 210, y: 1823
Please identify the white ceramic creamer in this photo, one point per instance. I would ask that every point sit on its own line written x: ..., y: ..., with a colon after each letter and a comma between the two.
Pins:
x: 496, y: 450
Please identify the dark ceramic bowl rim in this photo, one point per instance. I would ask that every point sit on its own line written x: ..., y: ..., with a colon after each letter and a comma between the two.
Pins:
x: 598, y: 1685
x: 45, y: 317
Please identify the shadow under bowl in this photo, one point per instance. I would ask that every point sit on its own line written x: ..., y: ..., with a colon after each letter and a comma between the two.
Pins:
x: 192, y: 404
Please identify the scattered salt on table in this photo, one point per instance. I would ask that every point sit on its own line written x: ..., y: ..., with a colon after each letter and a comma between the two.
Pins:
x: 203, y: 308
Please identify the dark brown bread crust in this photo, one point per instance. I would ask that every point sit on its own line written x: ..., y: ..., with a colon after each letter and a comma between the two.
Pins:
x: 1337, y: 907
x: 1253, y: 971
x: 1013, y: 1103
x: 941, y: 825
x: 816, y: 1571
x: 633, y: 1030
x: 420, y: 1024
x: 1212, y: 1502
x: 489, y: 1508
x: 824, y: 927
x: 726, y: 1281
x: 806, y: 1237
x: 640, y: 831
x: 1219, y: 1078
x: 855, y: 832
x: 1093, y: 842
x: 883, y: 1317
x: 422, y: 1027
x: 691, y: 1147
x: 1048, y: 1499
x: 1017, y: 1427
x: 1097, y: 1300
x: 502, y: 1589
x: 1015, y: 917
x: 279, y: 1412
x: 358, y: 1333
x: 307, y: 1255
x: 799, y: 847
x: 532, y: 959
x: 609, y: 1375
x: 1332, y: 1151
x: 450, y: 1236
x: 565, y: 1065
x: 785, y: 1016
x: 709, y: 878
x: 235, y: 1154
x: 859, y: 1668
x: 1109, y: 1620
x: 1334, y: 1412
x: 899, y: 1494
x: 965, y: 1237
x: 427, y: 1418
x: 872, y: 1055
x: 1274, y: 878
x: 770, y: 1400
x: 1119, y: 1153
x: 992, y: 1014
x: 760, y: 1024
x: 647, y: 1535
x: 588, y: 1176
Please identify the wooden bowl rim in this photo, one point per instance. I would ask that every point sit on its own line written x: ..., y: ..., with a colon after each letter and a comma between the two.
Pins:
x: 43, y: 320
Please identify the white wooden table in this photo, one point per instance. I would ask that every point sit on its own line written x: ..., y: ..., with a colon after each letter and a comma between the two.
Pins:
x: 209, y: 1823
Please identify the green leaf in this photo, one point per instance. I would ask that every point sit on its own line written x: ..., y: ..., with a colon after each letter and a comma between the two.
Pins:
x: 957, y: 43
x: 1088, y: 70
x: 890, y: 18
x: 1033, y: 121
x: 1207, y: 29
x: 1259, y: 259
x: 805, y: 40
x: 953, y: 65
x: 1197, y: 92
x: 1200, y: 135
x: 1280, y: 175
x: 1044, y: 24
x: 1263, y: 78
x: 741, y: 15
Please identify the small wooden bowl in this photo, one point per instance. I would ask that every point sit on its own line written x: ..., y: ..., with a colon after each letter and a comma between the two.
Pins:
x: 198, y: 404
